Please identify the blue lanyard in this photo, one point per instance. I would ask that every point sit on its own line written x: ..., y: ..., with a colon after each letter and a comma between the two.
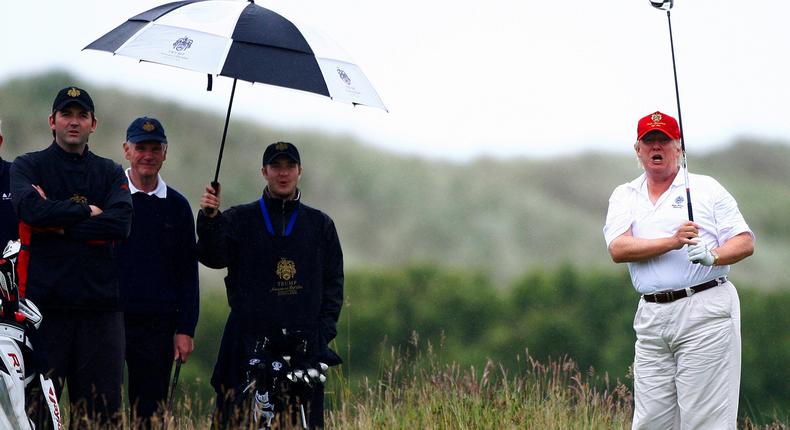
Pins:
x: 268, y: 221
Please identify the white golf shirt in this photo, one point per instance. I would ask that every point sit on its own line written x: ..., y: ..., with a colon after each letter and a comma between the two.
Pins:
x: 715, y: 210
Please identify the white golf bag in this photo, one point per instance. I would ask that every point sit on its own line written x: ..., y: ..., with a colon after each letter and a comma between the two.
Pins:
x: 17, y: 316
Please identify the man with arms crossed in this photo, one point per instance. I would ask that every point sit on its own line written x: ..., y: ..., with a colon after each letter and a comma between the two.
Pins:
x: 688, y: 350
x: 73, y: 206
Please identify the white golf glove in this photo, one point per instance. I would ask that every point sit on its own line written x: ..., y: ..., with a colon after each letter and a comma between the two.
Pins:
x: 701, y: 254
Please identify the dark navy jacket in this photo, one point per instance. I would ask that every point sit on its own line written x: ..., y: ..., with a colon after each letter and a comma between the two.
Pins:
x: 77, y: 269
x: 9, y: 226
x: 158, y: 263
x: 274, y: 281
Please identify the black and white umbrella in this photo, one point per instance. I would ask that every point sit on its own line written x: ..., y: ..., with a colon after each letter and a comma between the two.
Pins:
x: 241, y: 40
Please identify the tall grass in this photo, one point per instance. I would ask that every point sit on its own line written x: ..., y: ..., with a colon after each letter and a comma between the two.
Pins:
x: 418, y: 391
x: 426, y: 394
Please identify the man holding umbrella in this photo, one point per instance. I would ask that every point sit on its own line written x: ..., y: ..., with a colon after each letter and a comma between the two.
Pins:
x: 688, y: 348
x: 285, y: 275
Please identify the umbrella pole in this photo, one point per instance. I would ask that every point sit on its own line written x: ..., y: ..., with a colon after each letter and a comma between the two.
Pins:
x: 215, y: 183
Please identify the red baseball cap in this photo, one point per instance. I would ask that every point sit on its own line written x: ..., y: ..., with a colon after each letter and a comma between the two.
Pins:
x: 658, y: 121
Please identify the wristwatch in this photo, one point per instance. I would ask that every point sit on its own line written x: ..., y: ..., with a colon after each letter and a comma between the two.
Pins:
x: 715, y: 257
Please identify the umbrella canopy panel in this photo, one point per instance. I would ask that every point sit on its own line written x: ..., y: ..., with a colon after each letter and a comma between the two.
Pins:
x: 242, y: 40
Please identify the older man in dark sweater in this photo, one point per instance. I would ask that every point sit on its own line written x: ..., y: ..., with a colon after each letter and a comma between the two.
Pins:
x: 159, y: 278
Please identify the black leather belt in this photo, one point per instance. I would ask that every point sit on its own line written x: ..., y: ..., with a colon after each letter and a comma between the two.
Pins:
x: 672, y: 295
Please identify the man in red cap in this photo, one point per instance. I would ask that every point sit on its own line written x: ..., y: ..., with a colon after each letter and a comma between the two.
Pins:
x: 688, y: 349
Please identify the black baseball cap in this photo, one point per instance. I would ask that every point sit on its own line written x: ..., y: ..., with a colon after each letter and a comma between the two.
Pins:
x: 72, y: 95
x: 145, y: 128
x: 281, y: 148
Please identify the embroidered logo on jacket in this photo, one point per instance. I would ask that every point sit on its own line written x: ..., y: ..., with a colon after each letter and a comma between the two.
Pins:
x: 76, y: 198
x: 286, y: 269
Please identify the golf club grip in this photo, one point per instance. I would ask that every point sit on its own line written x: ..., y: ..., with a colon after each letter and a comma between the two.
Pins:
x: 210, y: 211
x: 691, y: 212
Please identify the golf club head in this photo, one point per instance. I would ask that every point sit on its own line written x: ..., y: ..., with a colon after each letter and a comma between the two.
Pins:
x: 662, y: 4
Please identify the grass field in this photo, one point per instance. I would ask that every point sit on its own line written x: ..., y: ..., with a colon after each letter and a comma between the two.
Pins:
x: 421, y: 393
x: 425, y: 394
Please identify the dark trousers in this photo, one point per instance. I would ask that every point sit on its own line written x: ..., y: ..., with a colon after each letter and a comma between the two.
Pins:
x: 149, y: 360
x: 83, y: 350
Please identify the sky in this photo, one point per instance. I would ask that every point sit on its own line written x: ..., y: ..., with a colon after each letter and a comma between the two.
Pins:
x: 461, y: 79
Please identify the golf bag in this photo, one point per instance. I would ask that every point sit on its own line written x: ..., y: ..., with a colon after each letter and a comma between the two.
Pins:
x: 19, y: 316
x: 280, y: 381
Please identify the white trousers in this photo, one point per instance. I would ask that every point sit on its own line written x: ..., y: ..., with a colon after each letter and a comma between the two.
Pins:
x: 687, y: 366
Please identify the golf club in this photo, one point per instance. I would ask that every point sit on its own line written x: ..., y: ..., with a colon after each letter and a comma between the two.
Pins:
x: 667, y: 5
x: 173, y: 386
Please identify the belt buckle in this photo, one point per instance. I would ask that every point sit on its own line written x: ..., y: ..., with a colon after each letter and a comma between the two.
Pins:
x: 663, y: 296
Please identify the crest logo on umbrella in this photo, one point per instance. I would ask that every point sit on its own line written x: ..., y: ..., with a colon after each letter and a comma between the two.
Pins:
x: 182, y: 44
x: 344, y: 76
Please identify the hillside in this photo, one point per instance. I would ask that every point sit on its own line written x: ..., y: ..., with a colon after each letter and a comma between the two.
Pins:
x: 501, y: 217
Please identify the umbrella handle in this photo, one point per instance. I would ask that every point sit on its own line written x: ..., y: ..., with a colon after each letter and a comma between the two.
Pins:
x: 216, y: 186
